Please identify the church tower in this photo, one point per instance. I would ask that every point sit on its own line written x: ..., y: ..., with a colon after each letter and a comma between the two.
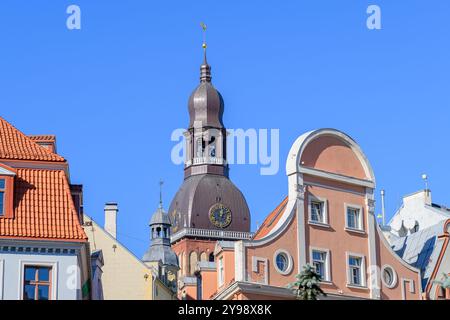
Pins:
x: 208, y: 206
x: 160, y: 255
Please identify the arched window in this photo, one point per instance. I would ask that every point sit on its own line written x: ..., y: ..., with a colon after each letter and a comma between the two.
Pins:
x: 211, y: 257
x: 199, y: 148
x: 193, y: 260
x: 203, y: 256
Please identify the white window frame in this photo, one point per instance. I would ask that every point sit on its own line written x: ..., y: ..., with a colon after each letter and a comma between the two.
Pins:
x: 54, y: 275
x: 394, y: 276
x: 360, y: 227
x: 327, y: 277
x: 324, y: 223
x: 290, y: 262
x: 362, y: 271
x: 221, y: 272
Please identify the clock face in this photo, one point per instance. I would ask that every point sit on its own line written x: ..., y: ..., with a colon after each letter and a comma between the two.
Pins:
x: 220, y: 216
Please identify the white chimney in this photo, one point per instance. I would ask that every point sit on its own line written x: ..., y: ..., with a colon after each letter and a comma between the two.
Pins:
x: 111, y: 210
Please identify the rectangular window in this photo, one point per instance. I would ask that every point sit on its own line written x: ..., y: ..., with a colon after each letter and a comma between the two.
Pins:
x: 354, y: 218
x: 319, y: 260
x: 317, y: 214
x: 355, y: 266
x: 2, y: 196
x: 37, y: 283
x: 221, y: 275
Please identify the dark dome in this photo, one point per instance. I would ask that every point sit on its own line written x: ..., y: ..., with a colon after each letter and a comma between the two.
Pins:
x: 160, y: 217
x: 191, y: 205
x: 206, y: 103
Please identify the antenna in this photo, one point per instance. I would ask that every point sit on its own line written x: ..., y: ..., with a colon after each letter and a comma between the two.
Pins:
x: 161, y: 182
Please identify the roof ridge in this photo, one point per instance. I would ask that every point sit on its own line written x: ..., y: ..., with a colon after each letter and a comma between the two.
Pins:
x: 14, y: 144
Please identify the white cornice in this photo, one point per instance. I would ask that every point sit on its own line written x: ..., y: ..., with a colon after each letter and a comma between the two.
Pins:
x: 336, y: 177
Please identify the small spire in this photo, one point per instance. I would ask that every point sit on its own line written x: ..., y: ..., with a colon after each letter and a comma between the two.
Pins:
x: 205, y: 69
x: 161, y: 182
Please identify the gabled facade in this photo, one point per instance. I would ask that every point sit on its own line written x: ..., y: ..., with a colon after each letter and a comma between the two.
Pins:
x: 327, y: 220
x: 43, y: 248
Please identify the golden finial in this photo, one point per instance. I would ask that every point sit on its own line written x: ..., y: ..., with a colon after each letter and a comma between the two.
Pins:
x: 204, y: 34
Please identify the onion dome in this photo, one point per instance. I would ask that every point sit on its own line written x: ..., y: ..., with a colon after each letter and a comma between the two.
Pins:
x: 206, y: 103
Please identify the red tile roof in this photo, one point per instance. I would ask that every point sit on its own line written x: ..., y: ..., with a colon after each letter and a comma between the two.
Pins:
x: 15, y: 145
x: 43, y: 208
x: 271, y: 220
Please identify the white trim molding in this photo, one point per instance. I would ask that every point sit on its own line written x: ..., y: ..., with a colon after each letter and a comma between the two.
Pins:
x: 328, y: 277
x: 54, y: 275
x: 394, y: 276
x: 403, y: 287
x: 362, y: 271
x: 290, y: 261
x: 255, y: 268
x: 293, y: 164
x: 361, y: 220
x: 336, y: 177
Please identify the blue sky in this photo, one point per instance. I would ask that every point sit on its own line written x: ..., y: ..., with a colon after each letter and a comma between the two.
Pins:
x: 114, y: 91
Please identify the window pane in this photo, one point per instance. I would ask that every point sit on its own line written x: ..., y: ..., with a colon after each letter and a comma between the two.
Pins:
x: 319, y: 269
x: 2, y: 197
x: 44, y: 274
x: 355, y: 261
x: 316, y: 211
x: 30, y: 273
x: 43, y: 292
x: 356, y: 277
x: 281, y: 262
x: 2, y: 183
x: 28, y: 292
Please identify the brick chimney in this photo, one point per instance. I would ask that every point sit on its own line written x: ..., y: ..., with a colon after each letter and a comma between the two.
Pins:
x: 111, y: 210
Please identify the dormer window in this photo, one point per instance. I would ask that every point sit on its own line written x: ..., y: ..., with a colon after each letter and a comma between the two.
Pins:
x: 6, y: 191
x: 2, y: 197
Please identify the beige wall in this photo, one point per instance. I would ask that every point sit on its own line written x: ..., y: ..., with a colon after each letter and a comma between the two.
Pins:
x: 124, y: 276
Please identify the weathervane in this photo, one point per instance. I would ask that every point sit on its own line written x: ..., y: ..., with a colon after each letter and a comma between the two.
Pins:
x: 204, y: 35
x: 204, y: 46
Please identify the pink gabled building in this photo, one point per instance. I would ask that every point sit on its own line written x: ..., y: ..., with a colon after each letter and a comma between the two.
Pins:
x: 328, y: 221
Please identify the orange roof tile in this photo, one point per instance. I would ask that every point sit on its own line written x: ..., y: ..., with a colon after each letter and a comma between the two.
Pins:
x: 15, y: 145
x: 271, y: 220
x: 43, y: 208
